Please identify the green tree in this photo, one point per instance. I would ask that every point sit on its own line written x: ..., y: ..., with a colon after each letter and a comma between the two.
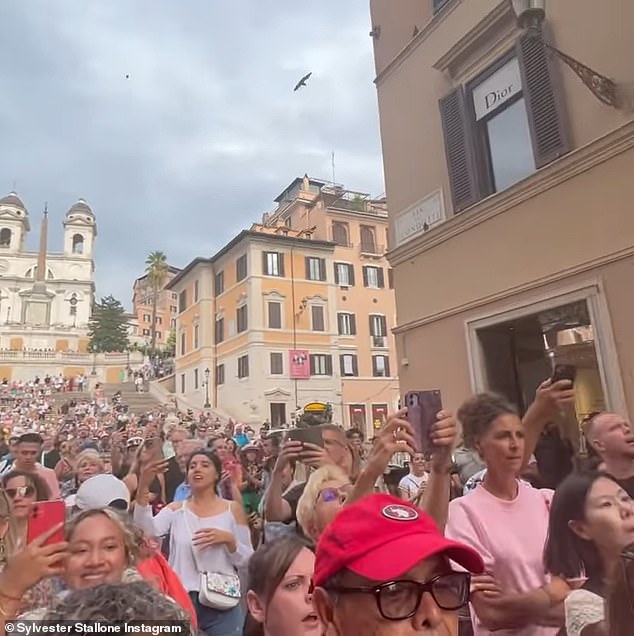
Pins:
x: 108, y: 326
x: 170, y: 344
x: 156, y: 269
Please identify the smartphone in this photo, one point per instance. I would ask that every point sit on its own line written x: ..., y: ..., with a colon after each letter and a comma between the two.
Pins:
x: 309, y: 435
x: 564, y: 372
x: 43, y: 516
x: 422, y: 413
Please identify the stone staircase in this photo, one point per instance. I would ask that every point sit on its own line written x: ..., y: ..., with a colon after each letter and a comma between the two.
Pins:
x: 138, y: 403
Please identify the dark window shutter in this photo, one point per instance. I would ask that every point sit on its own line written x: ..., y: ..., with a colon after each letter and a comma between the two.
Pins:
x: 455, y: 120
x: 374, y: 367
x: 312, y: 365
x: 322, y: 269
x: 390, y: 278
x: 336, y: 274
x: 355, y: 366
x: 280, y: 257
x: 341, y: 366
x: 371, y: 319
x: 545, y: 113
x: 380, y: 277
x: 386, y: 361
x: 339, y: 324
x: 265, y: 269
x: 353, y: 325
x: 351, y: 275
x: 307, y: 263
x: 365, y: 276
x: 328, y: 365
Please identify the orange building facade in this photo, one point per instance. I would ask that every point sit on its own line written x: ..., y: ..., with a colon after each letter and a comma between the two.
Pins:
x: 297, y: 309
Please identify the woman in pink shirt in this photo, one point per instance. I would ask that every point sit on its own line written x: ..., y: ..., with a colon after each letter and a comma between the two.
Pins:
x: 506, y: 521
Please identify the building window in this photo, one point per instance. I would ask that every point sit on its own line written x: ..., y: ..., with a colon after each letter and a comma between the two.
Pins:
x: 174, y: 296
x: 158, y: 335
x: 242, y: 318
x: 346, y: 324
x: 439, y: 4
x: 219, y: 283
x: 220, y: 374
x: 195, y: 379
x: 243, y: 366
x: 349, y: 365
x: 275, y: 314
x: 380, y: 366
x: 273, y: 264
x: 315, y: 268
x: 196, y: 336
x: 183, y: 343
x: 320, y: 364
x: 368, y: 243
x: 196, y: 290
x: 503, y: 125
x: 146, y: 332
x: 219, y: 333
x: 78, y: 244
x: 182, y: 301
x: 317, y: 315
x: 277, y: 363
x: 158, y: 320
x: 373, y: 277
x: 147, y: 318
x: 340, y: 234
x: 173, y: 309
x: 5, y: 237
x: 182, y: 383
x: 344, y: 274
x: 378, y: 325
x: 173, y: 323
x: 241, y: 268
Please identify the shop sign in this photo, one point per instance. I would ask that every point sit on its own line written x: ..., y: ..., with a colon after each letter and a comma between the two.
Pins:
x: 497, y: 89
x: 419, y: 218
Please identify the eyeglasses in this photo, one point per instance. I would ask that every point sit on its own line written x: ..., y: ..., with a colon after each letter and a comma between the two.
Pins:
x: 328, y: 495
x: 399, y: 600
x: 22, y: 491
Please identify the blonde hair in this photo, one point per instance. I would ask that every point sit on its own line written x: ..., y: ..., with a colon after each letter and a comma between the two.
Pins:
x: 306, y: 504
x: 89, y: 453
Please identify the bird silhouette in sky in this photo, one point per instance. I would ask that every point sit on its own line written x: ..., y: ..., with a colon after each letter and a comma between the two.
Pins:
x: 302, y: 82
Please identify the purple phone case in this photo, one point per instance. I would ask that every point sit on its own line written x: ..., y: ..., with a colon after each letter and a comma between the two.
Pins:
x: 422, y: 410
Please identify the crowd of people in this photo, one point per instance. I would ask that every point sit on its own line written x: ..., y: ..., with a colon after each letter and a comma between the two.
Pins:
x: 230, y: 530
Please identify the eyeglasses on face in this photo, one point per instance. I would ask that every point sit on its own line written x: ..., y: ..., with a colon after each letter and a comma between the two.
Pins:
x: 22, y: 491
x: 399, y: 600
x: 328, y: 495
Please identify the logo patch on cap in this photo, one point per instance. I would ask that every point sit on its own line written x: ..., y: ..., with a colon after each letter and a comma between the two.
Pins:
x: 397, y: 512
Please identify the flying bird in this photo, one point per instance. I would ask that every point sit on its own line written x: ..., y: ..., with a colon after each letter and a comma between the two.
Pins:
x: 302, y: 82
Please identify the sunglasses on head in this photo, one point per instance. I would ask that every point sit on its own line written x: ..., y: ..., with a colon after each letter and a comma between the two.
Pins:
x: 22, y: 491
x: 328, y: 495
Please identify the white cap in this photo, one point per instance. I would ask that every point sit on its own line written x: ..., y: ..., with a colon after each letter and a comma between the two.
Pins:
x: 103, y: 491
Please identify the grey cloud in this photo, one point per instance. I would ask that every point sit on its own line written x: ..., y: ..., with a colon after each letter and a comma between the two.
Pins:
x: 203, y: 135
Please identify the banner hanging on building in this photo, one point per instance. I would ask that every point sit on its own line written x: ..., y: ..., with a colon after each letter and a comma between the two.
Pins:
x: 299, y: 364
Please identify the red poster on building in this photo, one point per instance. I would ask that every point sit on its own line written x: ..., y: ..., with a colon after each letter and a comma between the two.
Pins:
x: 299, y: 364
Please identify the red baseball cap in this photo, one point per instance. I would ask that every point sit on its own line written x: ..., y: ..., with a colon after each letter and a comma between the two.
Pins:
x: 381, y: 537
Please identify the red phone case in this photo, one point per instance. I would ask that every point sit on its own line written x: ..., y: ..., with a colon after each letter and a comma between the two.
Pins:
x: 422, y: 411
x: 44, y: 515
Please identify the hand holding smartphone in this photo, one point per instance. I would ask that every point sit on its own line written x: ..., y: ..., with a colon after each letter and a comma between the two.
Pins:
x: 43, y: 517
x: 422, y: 413
x: 564, y: 372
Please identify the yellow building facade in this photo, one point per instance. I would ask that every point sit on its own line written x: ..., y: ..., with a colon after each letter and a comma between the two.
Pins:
x: 297, y: 309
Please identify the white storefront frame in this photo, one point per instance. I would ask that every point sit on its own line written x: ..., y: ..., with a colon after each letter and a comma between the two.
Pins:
x: 607, y: 358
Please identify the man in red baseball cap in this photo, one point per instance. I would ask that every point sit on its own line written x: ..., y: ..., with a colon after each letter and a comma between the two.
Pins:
x: 383, y: 569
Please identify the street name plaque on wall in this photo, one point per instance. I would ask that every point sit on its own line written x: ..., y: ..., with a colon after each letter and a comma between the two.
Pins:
x: 420, y: 217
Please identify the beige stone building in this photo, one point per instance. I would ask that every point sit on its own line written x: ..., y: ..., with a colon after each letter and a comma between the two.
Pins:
x: 508, y: 182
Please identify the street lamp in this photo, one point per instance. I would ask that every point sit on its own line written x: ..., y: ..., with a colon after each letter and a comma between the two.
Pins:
x: 207, y: 372
x: 530, y: 15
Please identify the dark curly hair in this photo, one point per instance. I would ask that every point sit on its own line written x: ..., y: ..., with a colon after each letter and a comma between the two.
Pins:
x: 120, y: 603
x: 480, y: 411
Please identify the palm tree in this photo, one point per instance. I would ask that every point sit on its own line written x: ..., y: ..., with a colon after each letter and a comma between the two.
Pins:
x: 156, y: 269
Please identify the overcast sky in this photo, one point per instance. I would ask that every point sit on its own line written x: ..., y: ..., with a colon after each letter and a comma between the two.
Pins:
x: 201, y: 137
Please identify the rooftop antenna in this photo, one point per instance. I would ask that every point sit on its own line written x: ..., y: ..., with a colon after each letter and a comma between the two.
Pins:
x: 332, y: 159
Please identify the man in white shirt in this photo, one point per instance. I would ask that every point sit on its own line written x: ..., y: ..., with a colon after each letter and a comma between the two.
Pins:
x: 411, y: 486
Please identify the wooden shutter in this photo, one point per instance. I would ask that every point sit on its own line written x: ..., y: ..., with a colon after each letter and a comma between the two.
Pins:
x: 336, y: 274
x: 328, y: 365
x: 380, y: 277
x: 383, y: 325
x: 459, y: 149
x: 386, y: 363
x: 340, y: 324
x: 280, y: 257
x: 322, y: 269
x: 341, y: 366
x: 543, y: 104
x: 312, y: 364
x: 371, y: 318
x: 374, y: 367
x: 365, y: 276
x: 353, y: 325
x: 307, y: 264
x: 351, y: 275
x: 355, y: 366
x: 265, y: 269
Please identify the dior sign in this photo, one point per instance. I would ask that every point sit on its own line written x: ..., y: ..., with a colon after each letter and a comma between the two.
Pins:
x: 497, y: 89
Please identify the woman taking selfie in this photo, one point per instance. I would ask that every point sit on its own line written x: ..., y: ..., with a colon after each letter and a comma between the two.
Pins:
x: 591, y: 522
x: 209, y: 540
x: 278, y: 596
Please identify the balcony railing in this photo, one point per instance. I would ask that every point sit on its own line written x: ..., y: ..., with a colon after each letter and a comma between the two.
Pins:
x: 371, y: 249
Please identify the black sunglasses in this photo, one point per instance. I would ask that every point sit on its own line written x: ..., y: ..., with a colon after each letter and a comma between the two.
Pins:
x: 399, y: 600
x: 23, y: 491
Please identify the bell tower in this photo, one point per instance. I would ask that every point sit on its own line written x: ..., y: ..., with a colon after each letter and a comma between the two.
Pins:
x: 80, y: 231
x: 14, y: 224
